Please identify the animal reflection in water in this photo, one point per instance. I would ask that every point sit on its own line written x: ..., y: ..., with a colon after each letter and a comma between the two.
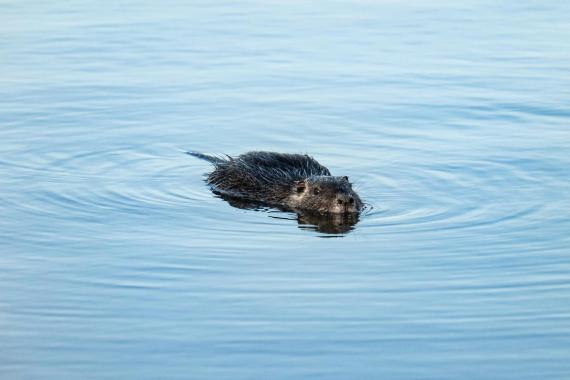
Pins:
x: 311, y: 220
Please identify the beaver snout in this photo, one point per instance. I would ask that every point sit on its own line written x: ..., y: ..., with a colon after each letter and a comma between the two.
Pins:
x: 346, y: 203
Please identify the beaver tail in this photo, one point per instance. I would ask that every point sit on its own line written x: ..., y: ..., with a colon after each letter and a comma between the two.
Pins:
x: 214, y: 160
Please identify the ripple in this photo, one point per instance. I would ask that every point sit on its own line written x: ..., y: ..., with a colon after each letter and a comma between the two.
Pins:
x: 402, y: 197
x: 102, y: 186
x: 417, y: 198
x: 464, y: 195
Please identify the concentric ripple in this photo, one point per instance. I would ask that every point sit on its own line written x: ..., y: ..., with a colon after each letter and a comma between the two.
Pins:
x: 121, y: 180
x: 402, y: 197
x: 465, y: 194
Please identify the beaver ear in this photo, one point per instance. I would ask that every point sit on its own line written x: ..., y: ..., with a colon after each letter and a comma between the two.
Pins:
x: 345, y: 178
x: 300, y: 186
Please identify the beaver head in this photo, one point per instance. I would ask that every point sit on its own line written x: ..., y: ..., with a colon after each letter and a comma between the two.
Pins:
x: 325, y: 194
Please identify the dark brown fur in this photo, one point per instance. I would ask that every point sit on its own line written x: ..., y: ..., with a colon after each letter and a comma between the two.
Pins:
x: 293, y: 181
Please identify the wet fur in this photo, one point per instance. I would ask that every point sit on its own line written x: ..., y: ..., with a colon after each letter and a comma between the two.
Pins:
x: 277, y: 179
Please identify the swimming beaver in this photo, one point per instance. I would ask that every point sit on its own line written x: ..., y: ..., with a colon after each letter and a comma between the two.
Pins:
x: 293, y: 181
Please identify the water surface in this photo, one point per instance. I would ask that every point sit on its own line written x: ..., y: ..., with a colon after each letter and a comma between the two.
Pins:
x: 452, y: 119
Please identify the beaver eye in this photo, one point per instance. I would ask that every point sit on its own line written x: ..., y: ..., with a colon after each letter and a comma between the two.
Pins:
x: 316, y: 191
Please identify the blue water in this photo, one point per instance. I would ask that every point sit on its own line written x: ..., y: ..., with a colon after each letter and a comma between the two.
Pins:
x: 452, y: 118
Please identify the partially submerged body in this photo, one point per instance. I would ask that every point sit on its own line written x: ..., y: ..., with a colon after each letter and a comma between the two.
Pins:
x: 293, y: 181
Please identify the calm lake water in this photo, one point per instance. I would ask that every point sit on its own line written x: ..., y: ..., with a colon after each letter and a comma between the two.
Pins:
x: 452, y: 118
